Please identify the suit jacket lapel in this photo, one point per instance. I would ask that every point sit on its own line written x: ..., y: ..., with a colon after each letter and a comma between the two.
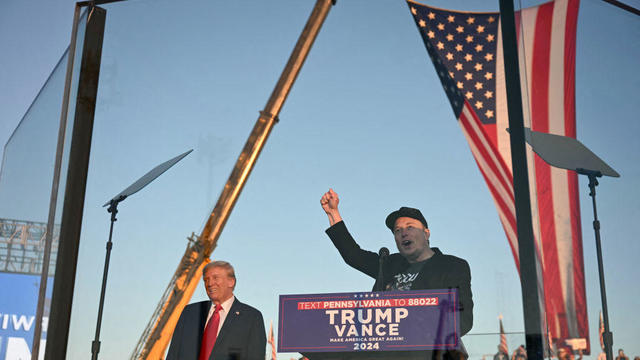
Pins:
x: 229, y: 322
x: 205, y: 306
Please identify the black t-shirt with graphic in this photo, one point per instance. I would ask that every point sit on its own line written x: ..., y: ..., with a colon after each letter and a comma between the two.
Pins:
x: 404, y: 280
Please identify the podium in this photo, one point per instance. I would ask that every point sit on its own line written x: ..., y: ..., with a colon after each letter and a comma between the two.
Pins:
x: 405, y: 325
x: 390, y: 355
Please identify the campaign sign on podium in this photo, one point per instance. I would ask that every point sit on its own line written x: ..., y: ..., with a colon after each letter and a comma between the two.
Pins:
x: 376, y: 321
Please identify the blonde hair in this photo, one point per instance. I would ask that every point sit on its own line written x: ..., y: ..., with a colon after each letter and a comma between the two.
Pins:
x: 221, y: 264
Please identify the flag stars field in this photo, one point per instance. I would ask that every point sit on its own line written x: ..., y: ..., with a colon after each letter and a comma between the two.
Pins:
x: 458, y: 39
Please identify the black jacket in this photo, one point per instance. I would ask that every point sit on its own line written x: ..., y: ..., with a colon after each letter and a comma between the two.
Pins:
x: 439, y: 272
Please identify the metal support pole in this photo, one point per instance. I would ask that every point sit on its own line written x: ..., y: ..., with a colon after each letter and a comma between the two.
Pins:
x: 53, y: 202
x: 526, y: 246
x: 73, y: 208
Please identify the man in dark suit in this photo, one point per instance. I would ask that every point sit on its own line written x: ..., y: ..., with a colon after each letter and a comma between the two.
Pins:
x: 222, y: 328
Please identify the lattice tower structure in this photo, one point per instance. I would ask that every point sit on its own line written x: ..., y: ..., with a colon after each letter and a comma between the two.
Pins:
x: 22, y: 246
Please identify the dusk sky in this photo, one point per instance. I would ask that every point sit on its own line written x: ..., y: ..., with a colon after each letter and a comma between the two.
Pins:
x: 366, y: 117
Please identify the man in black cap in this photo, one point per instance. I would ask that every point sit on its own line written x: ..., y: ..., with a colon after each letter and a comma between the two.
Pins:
x: 416, y: 266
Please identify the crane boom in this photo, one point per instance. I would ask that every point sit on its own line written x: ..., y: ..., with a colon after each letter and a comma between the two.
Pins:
x: 156, y: 336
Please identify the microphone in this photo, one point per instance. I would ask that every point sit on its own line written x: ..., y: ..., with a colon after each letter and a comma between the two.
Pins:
x: 383, y: 254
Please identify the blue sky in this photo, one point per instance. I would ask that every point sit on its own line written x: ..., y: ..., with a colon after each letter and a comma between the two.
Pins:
x: 367, y: 116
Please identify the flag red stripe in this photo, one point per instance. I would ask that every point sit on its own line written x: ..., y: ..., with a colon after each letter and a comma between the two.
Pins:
x: 484, y: 149
x: 507, y: 209
x: 483, y: 152
x: 503, y: 340
x: 507, y: 212
x: 569, y: 70
x: 601, y: 331
x: 554, y: 299
x: 570, y: 130
x: 495, y: 160
x: 491, y: 130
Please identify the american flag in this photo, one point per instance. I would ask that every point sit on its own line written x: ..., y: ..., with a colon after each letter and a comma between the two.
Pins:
x: 601, y: 331
x: 503, y: 340
x: 272, y: 342
x: 466, y: 50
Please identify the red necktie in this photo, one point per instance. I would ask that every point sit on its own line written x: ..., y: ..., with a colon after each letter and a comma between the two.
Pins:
x: 210, y: 334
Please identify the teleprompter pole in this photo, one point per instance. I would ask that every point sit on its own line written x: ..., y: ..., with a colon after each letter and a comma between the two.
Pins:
x: 526, y: 247
x: 95, y: 345
x: 607, y: 336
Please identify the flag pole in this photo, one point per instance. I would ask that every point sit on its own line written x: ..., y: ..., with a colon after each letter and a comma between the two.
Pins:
x: 526, y: 246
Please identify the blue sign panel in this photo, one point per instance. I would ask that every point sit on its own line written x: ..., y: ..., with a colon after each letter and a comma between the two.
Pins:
x: 18, y: 314
x: 379, y: 321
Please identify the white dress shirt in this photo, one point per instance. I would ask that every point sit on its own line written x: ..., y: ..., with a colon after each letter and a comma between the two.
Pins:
x: 226, y: 306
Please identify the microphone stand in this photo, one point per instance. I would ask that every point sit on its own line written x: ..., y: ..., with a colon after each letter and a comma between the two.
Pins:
x: 383, y: 253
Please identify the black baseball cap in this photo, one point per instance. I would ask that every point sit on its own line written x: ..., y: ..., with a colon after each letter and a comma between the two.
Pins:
x: 405, y: 212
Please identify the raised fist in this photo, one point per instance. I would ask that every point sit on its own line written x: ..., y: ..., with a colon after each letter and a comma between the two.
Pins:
x: 329, y: 201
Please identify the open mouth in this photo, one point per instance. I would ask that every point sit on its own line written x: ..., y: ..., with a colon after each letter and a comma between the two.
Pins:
x: 406, y: 243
